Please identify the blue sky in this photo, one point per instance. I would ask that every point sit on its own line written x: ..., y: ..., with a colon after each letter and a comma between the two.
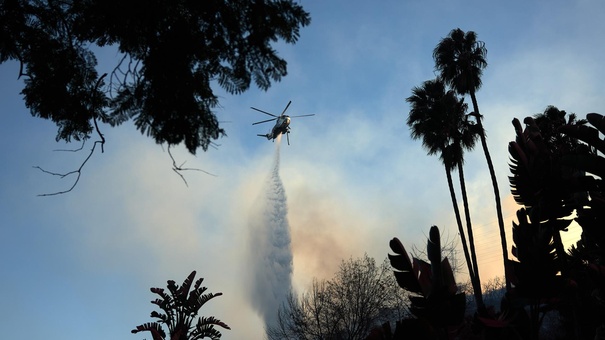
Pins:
x: 80, y: 265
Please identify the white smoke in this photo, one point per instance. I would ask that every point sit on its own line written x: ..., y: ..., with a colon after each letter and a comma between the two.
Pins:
x: 270, y: 251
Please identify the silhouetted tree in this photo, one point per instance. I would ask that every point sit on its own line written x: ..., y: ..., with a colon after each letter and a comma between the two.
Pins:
x: 537, y: 183
x: 540, y: 180
x: 435, y: 298
x: 460, y: 58
x: 545, y: 132
x: 180, y: 309
x: 587, y: 256
x: 172, y: 52
x: 554, y: 174
x: 360, y: 296
x: 438, y: 117
x: 549, y: 122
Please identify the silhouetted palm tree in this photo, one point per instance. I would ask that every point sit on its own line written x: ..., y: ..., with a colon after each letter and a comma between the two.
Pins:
x: 460, y: 58
x: 180, y: 309
x: 438, y: 117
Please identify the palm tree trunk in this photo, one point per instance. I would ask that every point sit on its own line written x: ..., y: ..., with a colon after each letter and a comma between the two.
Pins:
x: 471, y: 242
x: 467, y: 257
x: 492, y: 173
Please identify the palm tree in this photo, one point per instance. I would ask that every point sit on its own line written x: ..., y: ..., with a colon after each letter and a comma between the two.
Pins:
x: 180, y: 309
x: 466, y: 139
x: 460, y: 58
x: 438, y: 118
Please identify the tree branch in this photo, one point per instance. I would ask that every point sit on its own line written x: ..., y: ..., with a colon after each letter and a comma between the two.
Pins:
x: 79, y: 170
x: 73, y: 150
x: 177, y: 168
x: 119, y: 77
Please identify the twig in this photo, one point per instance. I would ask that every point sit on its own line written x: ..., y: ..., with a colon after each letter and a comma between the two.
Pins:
x: 119, y: 77
x: 78, y: 171
x: 73, y: 150
x: 177, y: 168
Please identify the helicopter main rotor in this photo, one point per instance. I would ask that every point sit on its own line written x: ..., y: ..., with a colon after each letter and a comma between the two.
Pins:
x: 270, y: 114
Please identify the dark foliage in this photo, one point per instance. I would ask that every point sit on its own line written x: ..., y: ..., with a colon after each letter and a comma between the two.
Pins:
x: 438, y: 117
x: 536, y: 271
x: 557, y: 169
x: 460, y: 59
x: 172, y: 53
x: 435, y: 300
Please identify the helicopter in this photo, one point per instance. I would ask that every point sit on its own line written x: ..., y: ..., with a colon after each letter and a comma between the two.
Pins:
x: 282, y: 123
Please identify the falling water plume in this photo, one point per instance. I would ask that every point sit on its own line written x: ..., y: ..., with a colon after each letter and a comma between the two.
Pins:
x: 270, y: 251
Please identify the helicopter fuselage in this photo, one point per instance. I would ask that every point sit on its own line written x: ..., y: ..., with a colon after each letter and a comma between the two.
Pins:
x: 282, y: 126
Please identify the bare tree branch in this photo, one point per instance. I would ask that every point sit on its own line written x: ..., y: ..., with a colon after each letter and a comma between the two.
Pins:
x: 177, y: 168
x: 73, y: 150
x: 361, y: 295
x: 449, y: 249
x: 119, y: 77
x: 78, y: 171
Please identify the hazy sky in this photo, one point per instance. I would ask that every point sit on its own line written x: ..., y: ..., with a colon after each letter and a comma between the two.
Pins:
x: 80, y: 265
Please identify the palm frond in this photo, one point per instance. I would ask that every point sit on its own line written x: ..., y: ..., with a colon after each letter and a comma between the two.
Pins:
x: 210, y: 320
x: 160, y: 292
x: 173, y: 289
x: 536, y: 267
x: 538, y: 180
x: 205, y: 328
x: 437, y: 117
x: 433, y: 251
x: 404, y: 273
x: 522, y: 185
x: 587, y: 134
x: 153, y: 327
x: 202, y: 299
x: 460, y: 58
x: 198, y: 283
x: 183, y: 291
x: 165, y: 318
x: 434, y: 299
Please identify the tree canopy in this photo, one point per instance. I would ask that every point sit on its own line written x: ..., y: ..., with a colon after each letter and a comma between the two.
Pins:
x: 172, y: 53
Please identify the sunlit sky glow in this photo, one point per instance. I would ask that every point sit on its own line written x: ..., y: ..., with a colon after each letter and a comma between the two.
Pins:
x: 80, y: 265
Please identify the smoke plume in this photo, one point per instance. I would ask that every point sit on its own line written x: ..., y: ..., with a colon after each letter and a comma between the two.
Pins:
x: 270, y: 250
